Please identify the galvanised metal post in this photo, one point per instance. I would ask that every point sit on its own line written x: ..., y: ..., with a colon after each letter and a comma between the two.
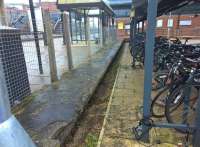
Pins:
x: 149, y: 53
x: 142, y: 26
x: 196, y: 135
x: 131, y: 32
x: 70, y: 22
x: 76, y: 27
x: 63, y: 35
x: 80, y: 26
x: 35, y: 32
x: 12, y: 133
x: 3, y: 20
x: 85, y: 23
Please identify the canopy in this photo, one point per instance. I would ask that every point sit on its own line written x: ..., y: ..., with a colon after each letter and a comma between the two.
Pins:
x: 67, y: 5
x: 164, y: 6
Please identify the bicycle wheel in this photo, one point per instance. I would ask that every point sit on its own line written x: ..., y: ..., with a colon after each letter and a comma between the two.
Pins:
x: 174, y: 108
x: 158, y: 103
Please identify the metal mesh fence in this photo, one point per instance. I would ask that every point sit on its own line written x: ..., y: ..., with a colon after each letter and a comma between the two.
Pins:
x: 34, y: 47
x: 14, y: 65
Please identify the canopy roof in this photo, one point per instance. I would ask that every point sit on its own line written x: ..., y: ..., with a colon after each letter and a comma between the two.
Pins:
x: 67, y: 5
x: 193, y: 8
x: 164, y: 6
x: 120, y: 4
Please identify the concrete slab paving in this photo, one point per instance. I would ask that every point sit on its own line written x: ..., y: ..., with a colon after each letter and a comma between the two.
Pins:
x: 81, y: 53
x: 124, y: 111
x: 52, y: 113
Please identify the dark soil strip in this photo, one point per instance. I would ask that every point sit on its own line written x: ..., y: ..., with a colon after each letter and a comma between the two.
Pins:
x: 88, y: 127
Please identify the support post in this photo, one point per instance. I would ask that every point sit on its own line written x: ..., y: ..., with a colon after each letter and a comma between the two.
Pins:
x: 87, y: 31
x: 196, y: 135
x: 70, y: 22
x: 80, y: 26
x: 76, y: 28
x: 64, y: 40
x: 12, y: 134
x: 66, y: 28
x: 134, y: 39
x: 44, y: 26
x: 149, y: 52
x: 35, y: 32
x: 103, y: 17
x: 142, y: 26
x: 100, y: 29
x: 51, y: 49
x: 3, y: 20
x: 138, y: 29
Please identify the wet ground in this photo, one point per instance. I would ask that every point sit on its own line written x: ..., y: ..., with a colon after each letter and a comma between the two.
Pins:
x: 89, y: 126
x: 124, y: 112
x: 50, y: 115
x: 80, y: 54
x: 115, y: 109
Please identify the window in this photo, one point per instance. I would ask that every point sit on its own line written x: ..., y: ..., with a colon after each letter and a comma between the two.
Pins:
x: 170, y: 23
x: 185, y: 22
x: 159, y: 23
x: 127, y: 27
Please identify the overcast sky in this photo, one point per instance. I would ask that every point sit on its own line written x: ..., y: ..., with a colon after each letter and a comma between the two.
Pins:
x: 25, y: 1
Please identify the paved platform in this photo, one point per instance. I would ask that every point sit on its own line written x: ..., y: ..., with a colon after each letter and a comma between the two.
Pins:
x: 80, y: 54
x: 124, y: 111
x: 51, y: 115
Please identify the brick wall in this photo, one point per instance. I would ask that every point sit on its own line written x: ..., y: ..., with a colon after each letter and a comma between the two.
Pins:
x: 192, y: 30
x: 123, y: 33
x: 178, y: 30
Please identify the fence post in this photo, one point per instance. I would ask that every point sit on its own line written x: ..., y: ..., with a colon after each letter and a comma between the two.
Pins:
x: 66, y: 29
x: 50, y: 44
x: 44, y: 26
x: 3, y: 20
x: 88, y: 31
x: 100, y: 29
x: 35, y: 30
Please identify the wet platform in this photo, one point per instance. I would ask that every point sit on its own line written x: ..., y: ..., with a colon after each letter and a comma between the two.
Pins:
x: 124, y: 111
x: 50, y: 115
x: 81, y: 53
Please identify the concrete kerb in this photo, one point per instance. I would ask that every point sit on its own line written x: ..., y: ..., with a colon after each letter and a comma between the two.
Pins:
x: 57, y: 132
x: 61, y: 135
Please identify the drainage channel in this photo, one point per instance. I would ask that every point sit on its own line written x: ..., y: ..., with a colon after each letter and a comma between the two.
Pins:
x: 87, y: 129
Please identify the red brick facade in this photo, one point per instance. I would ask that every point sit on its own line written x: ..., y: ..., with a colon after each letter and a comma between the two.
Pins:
x: 177, y: 30
x: 181, y: 26
x: 123, y: 33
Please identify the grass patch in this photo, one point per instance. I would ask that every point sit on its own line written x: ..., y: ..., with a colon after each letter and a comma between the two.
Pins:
x: 91, y: 140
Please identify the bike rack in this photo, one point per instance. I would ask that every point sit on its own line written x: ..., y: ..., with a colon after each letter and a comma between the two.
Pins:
x: 144, y: 127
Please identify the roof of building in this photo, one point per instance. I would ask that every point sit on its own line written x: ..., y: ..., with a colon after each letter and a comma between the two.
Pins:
x: 67, y: 5
x: 164, y: 6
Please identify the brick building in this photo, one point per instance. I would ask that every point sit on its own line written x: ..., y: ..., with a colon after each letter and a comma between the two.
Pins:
x: 179, y: 26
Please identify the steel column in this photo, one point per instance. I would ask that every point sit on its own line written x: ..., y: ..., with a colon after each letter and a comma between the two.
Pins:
x: 134, y: 39
x: 5, y: 111
x: 64, y: 42
x: 85, y: 23
x: 142, y: 26
x: 70, y: 22
x: 196, y: 135
x: 76, y: 28
x: 35, y: 30
x: 12, y: 133
x: 149, y: 52
x: 3, y: 20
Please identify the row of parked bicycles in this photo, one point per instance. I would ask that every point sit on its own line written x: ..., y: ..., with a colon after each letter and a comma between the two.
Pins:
x: 176, y: 79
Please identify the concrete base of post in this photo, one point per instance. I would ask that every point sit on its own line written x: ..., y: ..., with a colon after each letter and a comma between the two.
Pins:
x: 12, y: 134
